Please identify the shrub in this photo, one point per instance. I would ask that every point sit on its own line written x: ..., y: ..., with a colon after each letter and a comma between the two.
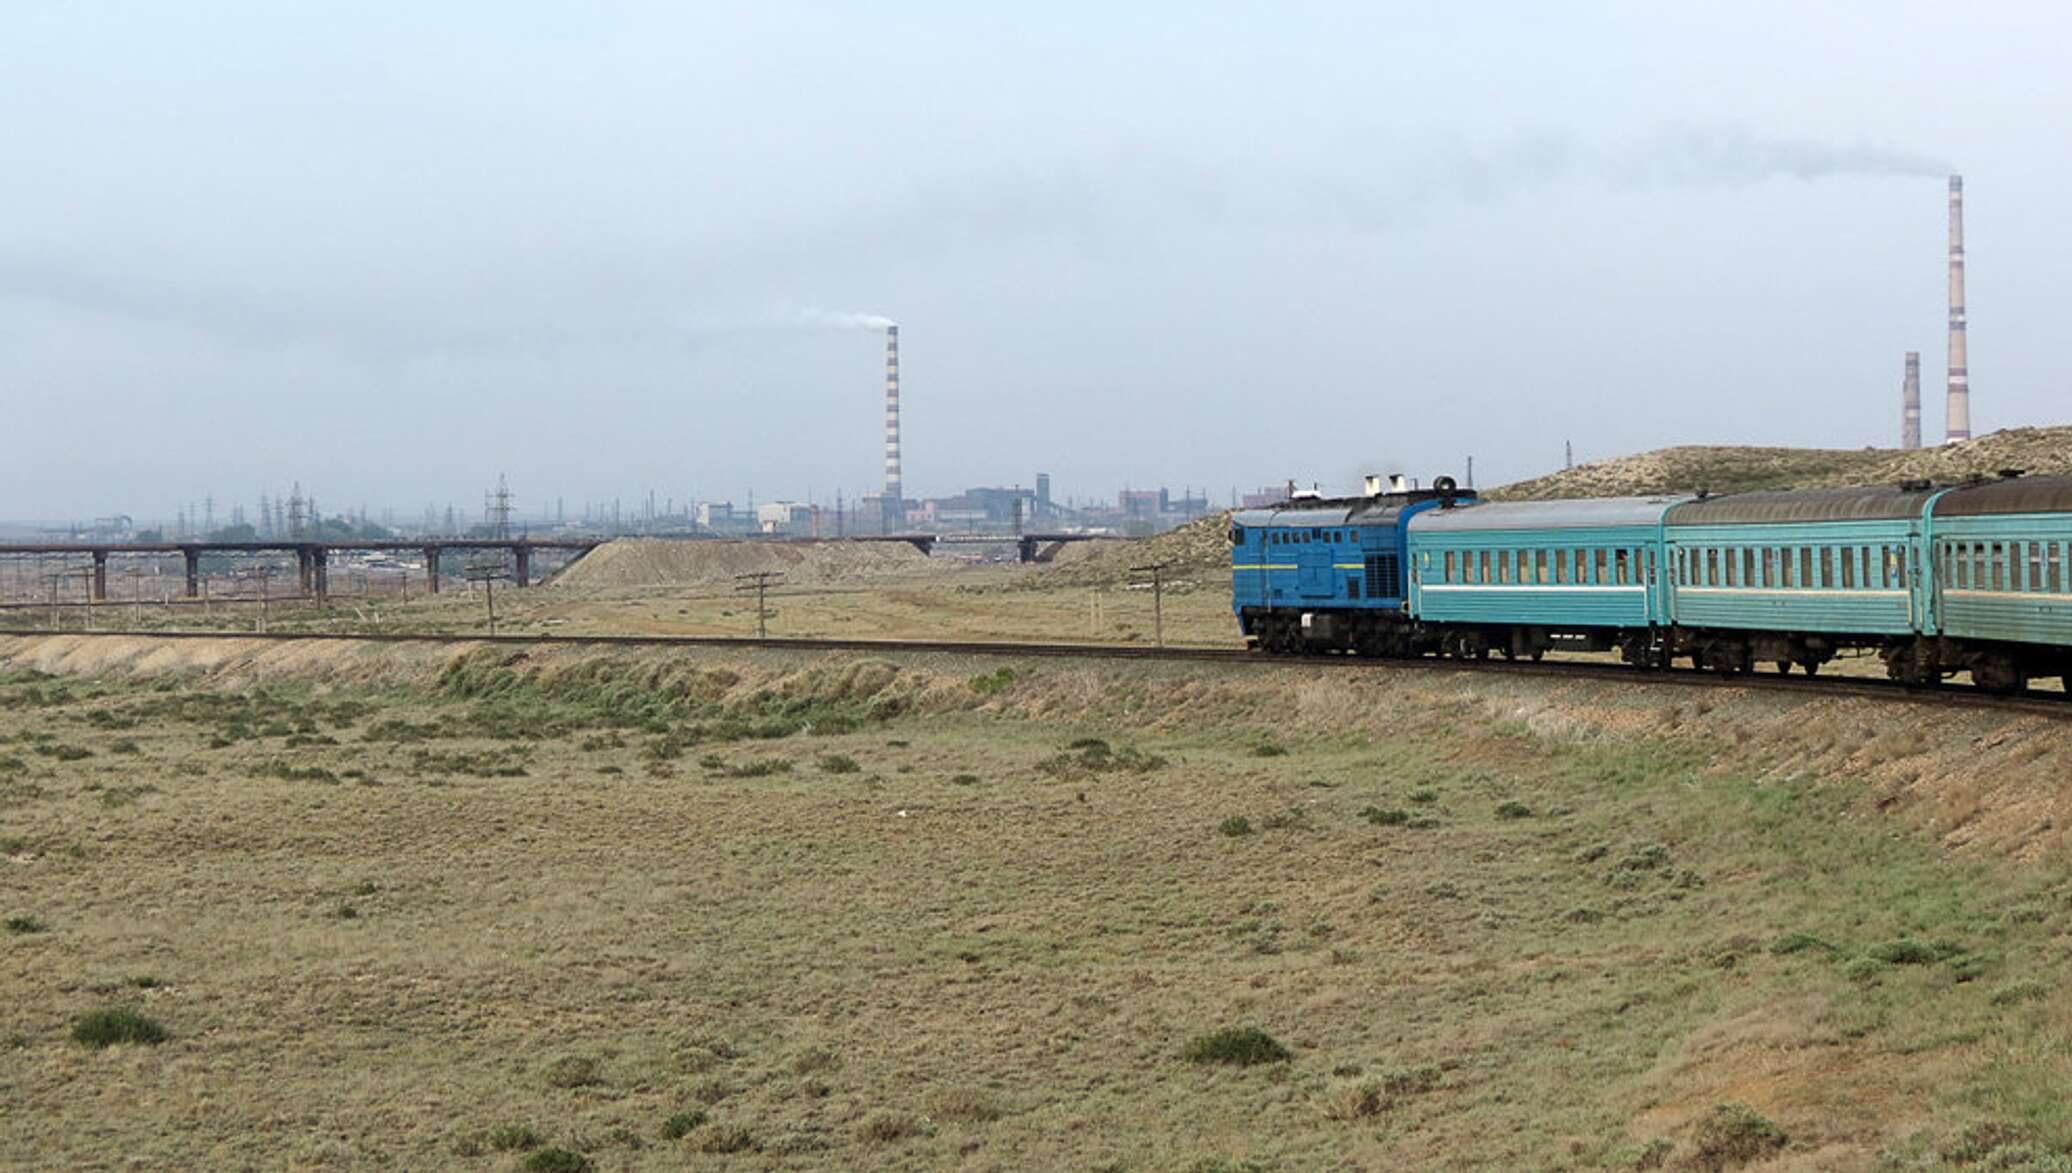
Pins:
x: 117, y: 1024
x: 964, y: 780
x: 1513, y: 810
x: 1235, y: 826
x: 1269, y: 750
x: 1735, y: 1134
x: 963, y: 1103
x: 1385, y: 818
x: 682, y: 1123
x: 1655, y: 1153
x: 723, y: 1138
x: 835, y: 763
x: 885, y: 1128
x: 1411, y: 1080
x: 557, y: 1161
x: 1644, y: 859
x: 25, y: 924
x: 1593, y: 853
x: 1354, y: 1100
x: 2027, y: 990
x: 1424, y: 795
x: 1791, y: 943
x: 126, y: 745
x: 513, y: 1138
x: 571, y: 1071
x: 1903, y: 952
x: 1239, y: 1046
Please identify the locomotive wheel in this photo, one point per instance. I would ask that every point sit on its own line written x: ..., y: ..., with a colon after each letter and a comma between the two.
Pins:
x: 1784, y: 667
x: 1812, y: 667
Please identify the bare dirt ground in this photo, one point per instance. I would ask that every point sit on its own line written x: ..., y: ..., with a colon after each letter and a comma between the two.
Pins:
x: 426, y: 907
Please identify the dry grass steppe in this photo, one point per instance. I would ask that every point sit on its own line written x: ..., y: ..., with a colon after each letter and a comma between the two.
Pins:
x: 453, y: 907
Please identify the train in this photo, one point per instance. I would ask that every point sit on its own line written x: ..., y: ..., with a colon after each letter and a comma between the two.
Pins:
x: 1936, y: 580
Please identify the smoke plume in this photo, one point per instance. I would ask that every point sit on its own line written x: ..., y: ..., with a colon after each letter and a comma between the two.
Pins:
x: 847, y: 320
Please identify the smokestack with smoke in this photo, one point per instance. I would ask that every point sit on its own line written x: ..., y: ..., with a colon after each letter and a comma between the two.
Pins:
x: 1959, y: 425
x: 895, y: 493
x: 1910, y: 403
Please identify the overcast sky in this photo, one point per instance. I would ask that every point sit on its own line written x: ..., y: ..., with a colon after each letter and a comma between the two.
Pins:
x: 395, y: 249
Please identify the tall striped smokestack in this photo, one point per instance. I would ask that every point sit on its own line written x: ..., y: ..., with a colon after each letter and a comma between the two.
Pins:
x: 1910, y: 403
x: 895, y: 498
x: 1959, y: 427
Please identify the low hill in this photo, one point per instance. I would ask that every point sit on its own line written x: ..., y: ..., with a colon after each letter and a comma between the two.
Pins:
x: 1730, y: 469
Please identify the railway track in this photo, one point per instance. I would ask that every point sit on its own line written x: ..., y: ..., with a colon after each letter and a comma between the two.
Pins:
x: 2051, y: 704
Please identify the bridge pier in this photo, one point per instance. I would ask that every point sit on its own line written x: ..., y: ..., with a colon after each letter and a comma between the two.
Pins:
x: 522, y: 555
x: 302, y: 575
x: 193, y: 559
x: 431, y: 569
x: 1025, y: 547
x: 320, y: 572
x: 100, y: 576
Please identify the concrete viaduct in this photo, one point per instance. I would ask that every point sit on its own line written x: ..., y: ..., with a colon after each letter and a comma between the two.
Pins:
x: 312, y: 558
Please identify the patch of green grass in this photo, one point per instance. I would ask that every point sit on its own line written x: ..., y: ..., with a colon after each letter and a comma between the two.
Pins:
x: 1094, y: 757
x: 1513, y: 810
x: 994, y: 682
x: 120, y: 796
x: 1385, y: 818
x: 116, y: 1024
x: 1235, y: 826
x: 23, y: 925
x: 1238, y: 1046
x: 63, y: 752
x: 1269, y: 750
x: 964, y: 779
x: 1424, y: 796
x: 835, y: 763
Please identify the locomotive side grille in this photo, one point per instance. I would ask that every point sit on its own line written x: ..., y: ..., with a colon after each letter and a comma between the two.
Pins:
x: 1384, y: 577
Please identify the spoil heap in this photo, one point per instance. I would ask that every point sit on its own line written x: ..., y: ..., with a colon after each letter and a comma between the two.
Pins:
x: 1195, y: 548
x: 1725, y: 469
x: 638, y: 562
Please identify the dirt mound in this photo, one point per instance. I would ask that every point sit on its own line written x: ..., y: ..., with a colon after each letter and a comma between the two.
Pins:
x: 1194, y: 548
x: 637, y: 562
x: 1728, y: 469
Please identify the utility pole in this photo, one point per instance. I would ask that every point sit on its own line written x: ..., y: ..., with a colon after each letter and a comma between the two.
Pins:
x: 263, y: 575
x: 1568, y: 453
x: 760, y: 582
x: 487, y: 573
x: 1157, y: 572
x: 1471, y: 472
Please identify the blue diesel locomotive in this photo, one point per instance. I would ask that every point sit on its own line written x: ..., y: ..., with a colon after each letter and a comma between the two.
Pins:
x: 1937, y: 580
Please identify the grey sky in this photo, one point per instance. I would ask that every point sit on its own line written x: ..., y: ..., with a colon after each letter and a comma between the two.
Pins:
x: 392, y: 250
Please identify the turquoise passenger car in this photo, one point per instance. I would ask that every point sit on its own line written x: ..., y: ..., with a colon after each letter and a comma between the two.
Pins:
x: 1793, y: 577
x: 1526, y: 577
x: 2001, y: 605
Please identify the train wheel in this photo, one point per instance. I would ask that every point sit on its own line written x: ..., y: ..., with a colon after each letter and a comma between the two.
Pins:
x: 1812, y: 667
x: 1784, y: 667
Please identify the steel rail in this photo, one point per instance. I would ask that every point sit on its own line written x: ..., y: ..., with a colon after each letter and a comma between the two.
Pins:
x: 2058, y: 705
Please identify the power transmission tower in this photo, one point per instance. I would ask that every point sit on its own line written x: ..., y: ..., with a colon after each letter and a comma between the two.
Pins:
x: 1157, y: 572
x: 496, y: 508
x: 760, y: 582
